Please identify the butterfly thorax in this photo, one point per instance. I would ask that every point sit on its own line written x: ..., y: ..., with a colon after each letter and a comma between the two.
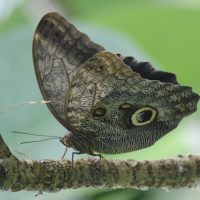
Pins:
x: 77, y: 143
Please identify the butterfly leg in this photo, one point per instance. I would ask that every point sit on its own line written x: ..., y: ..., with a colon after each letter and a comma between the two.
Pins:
x: 100, y: 157
x: 72, y: 163
x: 38, y: 193
x: 73, y: 159
x: 64, y: 153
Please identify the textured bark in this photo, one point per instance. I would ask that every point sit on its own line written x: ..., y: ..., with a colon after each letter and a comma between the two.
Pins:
x: 53, y: 175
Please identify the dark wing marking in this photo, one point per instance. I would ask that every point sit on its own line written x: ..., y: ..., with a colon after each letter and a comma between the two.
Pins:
x: 147, y: 71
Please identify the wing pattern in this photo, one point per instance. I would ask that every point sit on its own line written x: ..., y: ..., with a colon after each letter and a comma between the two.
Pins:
x: 59, y: 50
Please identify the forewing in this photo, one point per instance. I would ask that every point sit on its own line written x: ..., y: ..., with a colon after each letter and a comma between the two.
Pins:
x: 59, y: 50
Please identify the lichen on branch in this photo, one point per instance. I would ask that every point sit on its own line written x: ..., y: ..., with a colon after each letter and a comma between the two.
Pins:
x: 52, y: 175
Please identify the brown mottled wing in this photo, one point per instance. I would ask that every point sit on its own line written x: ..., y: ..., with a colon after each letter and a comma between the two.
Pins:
x: 114, y: 133
x: 102, y: 74
x: 106, y: 83
x: 59, y: 50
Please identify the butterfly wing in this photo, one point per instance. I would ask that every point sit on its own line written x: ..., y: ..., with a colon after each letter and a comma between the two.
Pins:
x: 118, y: 110
x: 93, y: 82
x: 59, y: 50
x: 115, y: 107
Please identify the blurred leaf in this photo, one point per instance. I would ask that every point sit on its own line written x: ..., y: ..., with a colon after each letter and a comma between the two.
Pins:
x: 17, y: 18
x: 157, y: 27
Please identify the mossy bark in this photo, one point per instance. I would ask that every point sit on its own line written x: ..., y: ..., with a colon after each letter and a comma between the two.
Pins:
x: 53, y: 175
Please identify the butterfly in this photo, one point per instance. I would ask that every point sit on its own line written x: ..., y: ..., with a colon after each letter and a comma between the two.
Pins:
x: 110, y: 103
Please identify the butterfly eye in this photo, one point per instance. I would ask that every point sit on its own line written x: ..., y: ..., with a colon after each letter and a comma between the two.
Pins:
x: 144, y: 116
x: 99, y: 112
x: 99, y: 68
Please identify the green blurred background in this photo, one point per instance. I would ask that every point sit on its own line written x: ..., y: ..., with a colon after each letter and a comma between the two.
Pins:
x: 164, y: 32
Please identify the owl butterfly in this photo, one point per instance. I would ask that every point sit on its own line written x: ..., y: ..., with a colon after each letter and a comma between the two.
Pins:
x: 110, y: 103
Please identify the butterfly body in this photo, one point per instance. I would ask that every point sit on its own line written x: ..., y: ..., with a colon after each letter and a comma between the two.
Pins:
x: 110, y: 103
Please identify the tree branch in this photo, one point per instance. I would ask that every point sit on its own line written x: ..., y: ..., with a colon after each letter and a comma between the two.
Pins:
x: 53, y: 175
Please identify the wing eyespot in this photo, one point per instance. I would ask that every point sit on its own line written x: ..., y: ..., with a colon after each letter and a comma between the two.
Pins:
x: 99, y: 69
x: 125, y: 106
x: 99, y: 112
x: 143, y: 116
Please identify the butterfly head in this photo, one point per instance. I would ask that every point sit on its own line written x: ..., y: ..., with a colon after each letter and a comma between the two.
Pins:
x: 66, y: 141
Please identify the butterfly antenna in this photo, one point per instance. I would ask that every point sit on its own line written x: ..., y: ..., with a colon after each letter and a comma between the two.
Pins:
x: 52, y: 136
x: 38, y: 140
